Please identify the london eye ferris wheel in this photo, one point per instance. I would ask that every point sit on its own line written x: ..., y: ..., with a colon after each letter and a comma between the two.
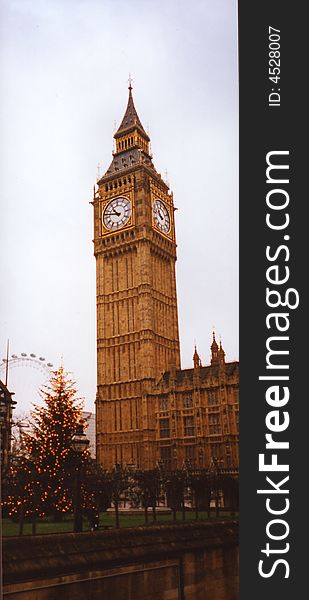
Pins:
x: 24, y: 374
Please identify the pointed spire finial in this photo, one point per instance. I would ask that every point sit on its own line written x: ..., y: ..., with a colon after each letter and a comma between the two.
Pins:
x: 196, y: 359
x: 221, y: 352
x: 214, y: 341
x: 214, y: 348
x: 130, y: 119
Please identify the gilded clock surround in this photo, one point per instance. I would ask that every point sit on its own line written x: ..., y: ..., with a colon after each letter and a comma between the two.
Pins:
x: 106, y: 203
x: 161, y: 218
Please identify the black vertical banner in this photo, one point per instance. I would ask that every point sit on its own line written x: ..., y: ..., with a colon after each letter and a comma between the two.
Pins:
x: 273, y: 76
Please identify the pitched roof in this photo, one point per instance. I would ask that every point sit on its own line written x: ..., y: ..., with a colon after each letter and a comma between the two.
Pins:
x: 186, y: 375
x: 131, y: 118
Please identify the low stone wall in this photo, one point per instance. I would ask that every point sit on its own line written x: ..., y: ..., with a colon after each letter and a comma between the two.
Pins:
x: 185, y: 561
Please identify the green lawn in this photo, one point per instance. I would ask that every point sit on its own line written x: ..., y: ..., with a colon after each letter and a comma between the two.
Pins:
x: 106, y: 520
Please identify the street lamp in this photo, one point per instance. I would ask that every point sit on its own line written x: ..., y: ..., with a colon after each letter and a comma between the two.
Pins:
x: 79, y: 443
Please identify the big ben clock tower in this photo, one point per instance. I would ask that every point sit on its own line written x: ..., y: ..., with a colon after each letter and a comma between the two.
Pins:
x: 137, y: 322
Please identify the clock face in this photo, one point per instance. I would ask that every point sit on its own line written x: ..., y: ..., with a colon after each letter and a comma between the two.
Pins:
x: 161, y: 216
x: 117, y: 213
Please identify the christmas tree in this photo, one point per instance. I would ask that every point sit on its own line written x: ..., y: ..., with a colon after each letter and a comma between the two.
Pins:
x: 44, y: 479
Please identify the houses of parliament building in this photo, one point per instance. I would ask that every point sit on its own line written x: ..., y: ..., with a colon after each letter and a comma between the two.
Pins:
x: 149, y: 411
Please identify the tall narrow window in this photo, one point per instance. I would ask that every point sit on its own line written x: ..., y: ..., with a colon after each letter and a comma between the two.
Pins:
x: 115, y: 416
x: 163, y: 404
x: 188, y: 423
x: 214, y: 423
x: 187, y: 401
x: 120, y: 416
x: 164, y: 425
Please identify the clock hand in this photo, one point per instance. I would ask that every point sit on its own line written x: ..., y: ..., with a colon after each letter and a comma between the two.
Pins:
x: 114, y: 212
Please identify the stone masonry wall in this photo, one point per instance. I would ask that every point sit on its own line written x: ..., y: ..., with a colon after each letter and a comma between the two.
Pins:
x: 193, y: 561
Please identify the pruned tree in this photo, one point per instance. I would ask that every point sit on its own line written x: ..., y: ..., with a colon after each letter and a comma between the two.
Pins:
x: 149, y: 486
x: 118, y: 480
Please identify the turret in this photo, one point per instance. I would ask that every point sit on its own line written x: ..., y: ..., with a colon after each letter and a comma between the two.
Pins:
x: 221, y: 354
x: 214, y: 350
x: 196, y: 359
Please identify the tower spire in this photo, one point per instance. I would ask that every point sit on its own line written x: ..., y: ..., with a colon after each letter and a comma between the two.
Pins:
x: 131, y: 119
x: 221, y: 353
x: 196, y: 359
x: 131, y: 144
x: 214, y: 350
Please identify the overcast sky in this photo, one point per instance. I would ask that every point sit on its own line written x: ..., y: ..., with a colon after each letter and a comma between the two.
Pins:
x: 63, y: 72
